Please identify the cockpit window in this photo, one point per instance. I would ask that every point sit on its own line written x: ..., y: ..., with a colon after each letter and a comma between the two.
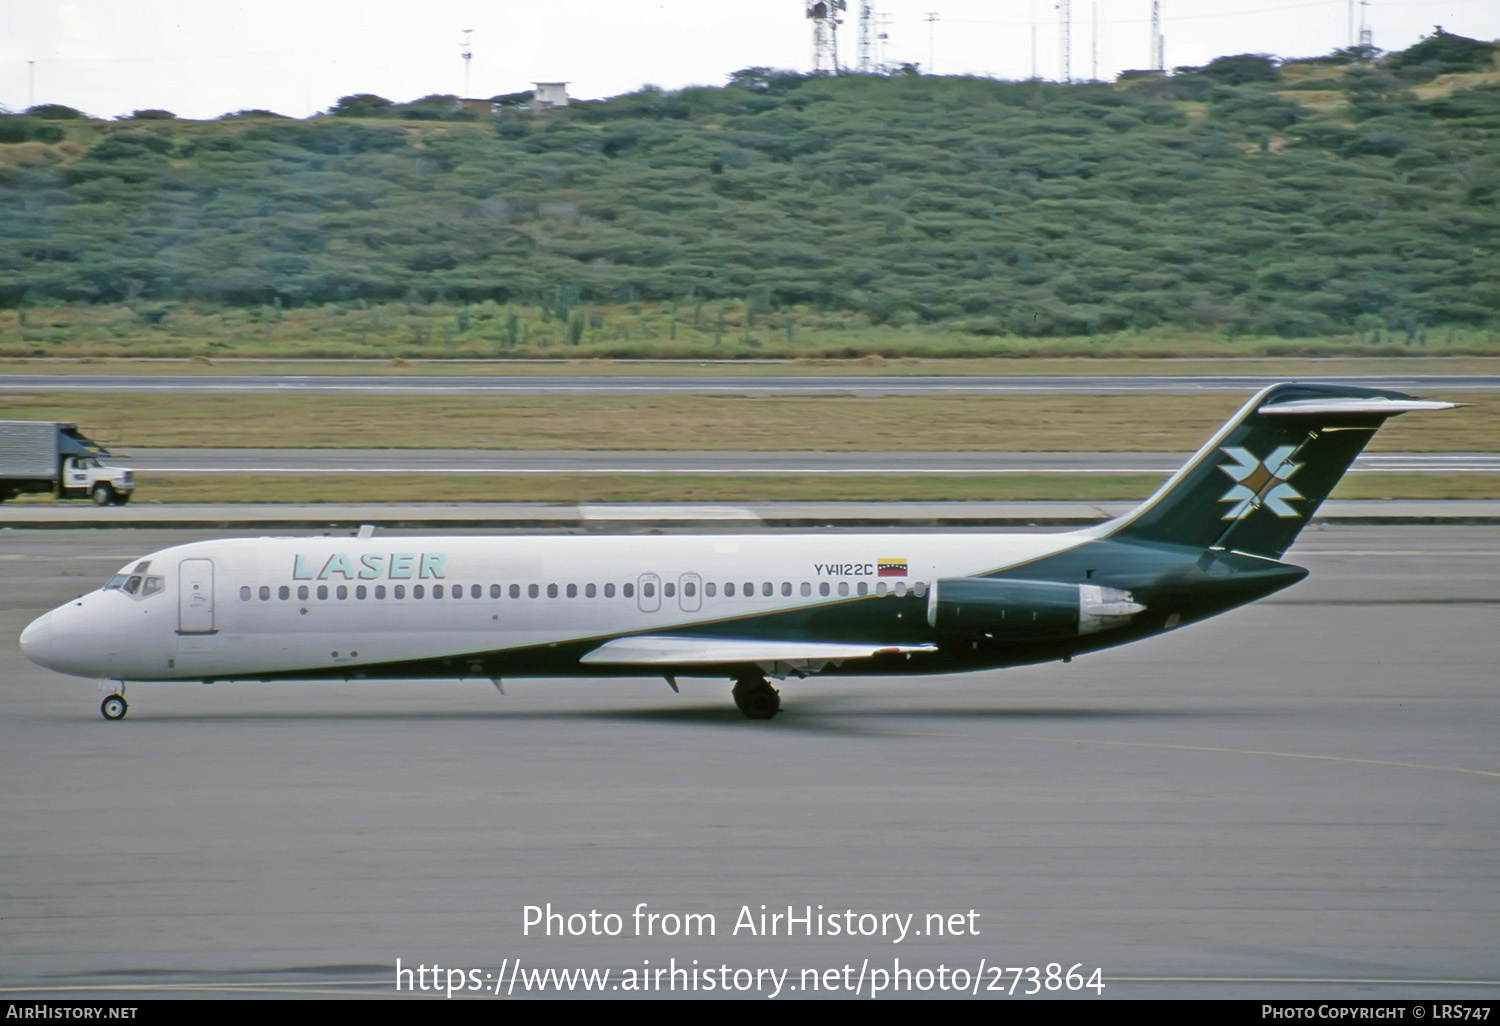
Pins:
x: 137, y: 584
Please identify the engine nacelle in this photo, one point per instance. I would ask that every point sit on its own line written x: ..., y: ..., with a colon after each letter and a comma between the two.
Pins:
x: 1026, y: 610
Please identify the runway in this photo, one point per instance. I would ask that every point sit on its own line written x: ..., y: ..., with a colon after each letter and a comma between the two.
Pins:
x: 720, y: 464
x: 782, y: 385
x: 1299, y: 800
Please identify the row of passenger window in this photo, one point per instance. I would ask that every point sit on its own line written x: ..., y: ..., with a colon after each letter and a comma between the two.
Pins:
x: 767, y: 589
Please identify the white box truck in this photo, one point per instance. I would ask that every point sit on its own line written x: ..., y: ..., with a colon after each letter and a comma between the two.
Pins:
x: 44, y: 456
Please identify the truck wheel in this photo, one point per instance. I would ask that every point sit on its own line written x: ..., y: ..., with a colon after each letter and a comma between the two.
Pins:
x: 121, y: 498
x: 103, y: 494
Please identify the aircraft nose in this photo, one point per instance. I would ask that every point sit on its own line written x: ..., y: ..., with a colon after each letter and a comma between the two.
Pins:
x: 36, y: 640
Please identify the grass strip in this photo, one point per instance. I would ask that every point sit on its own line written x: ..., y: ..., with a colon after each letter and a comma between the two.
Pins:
x: 1023, y: 423
x: 343, y: 488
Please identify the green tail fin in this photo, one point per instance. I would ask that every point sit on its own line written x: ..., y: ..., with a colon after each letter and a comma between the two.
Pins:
x: 1257, y: 482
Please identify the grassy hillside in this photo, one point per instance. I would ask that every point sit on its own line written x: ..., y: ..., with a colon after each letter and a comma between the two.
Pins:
x: 783, y: 214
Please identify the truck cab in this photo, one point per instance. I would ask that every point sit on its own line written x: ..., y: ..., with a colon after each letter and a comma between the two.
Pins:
x: 86, y: 476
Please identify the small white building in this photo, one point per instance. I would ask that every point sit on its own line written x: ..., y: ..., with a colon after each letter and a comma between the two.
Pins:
x: 549, y: 94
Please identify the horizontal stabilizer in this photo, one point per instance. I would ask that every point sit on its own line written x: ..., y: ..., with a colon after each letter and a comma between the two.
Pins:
x: 1379, y: 405
x: 687, y: 651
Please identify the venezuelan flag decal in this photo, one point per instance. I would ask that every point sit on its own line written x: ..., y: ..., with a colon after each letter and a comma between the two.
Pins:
x: 891, y: 568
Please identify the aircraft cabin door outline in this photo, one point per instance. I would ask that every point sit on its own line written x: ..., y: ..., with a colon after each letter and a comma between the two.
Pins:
x: 648, y: 592
x: 195, y: 596
x: 690, y: 592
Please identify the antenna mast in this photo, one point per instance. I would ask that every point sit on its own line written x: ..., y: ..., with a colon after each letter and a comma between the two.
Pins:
x: 1158, y: 44
x: 1033, y: 40
x: 1366, y: 34
x: 824, y: 14
x: 1094, y: 38
x: 932, y: 20
x: 1065, y: 18
x: 466, y: 51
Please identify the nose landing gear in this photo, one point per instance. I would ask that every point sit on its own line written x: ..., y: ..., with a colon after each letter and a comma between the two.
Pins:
x: 755, y: 697
x: 114, y: 706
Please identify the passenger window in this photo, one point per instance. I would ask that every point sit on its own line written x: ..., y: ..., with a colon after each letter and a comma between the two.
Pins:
x: 919, y: 589
x: 710, y: 588
x: 515, y: 591
x: 245, y: 593
x: 843, y: 587
x: 380, y: 591
x: 648, y: 589
x: 533, y: 591
x: 689, y: 589
x: 628, y: 590
x: 457, y: 591
x: 729, y: 589
x: 398, y: 591
x: 880, y: 587
x: 806, y: 589
x: 552, y: 591
x: 572, y: 591
x: 418, y: 591
x: 589, y: 591
x: 823, y: 588
x: 786, y: 589
x: 669, y: 589
x: 609, y: 591
x: 494, y: 591
x: 864, y: 587
x: 302, y: 592
x: 437, y: 591
x: 265, y: 593
x: 900, y: 588
x: 475, y: 591
x: 343, y: 591
x: 767, y: 589
x: 322, y: 592
x: 749, y: 589
x: 283, y: 593
x: 361, y: 592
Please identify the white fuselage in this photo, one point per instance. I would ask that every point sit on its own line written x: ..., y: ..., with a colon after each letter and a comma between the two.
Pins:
x: 246, y: 608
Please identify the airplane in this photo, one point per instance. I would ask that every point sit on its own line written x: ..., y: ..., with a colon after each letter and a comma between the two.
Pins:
x: 746, y: 607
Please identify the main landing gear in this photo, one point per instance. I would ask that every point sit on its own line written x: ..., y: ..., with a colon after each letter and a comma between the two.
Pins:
x: 755, y: 697
x: 114, y: 706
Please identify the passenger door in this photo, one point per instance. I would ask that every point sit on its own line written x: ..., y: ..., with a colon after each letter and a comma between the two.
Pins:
x: 195, y: 596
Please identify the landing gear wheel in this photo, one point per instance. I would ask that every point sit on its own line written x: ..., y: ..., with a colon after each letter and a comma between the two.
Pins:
x: 756, y: 698
x: 113, y: 707
x: 102, y: 495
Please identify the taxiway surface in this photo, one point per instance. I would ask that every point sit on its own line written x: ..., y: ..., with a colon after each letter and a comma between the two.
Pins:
x: 1299, y: 799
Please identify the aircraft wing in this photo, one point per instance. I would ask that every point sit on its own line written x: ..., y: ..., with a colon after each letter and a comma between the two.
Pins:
x: 667, y: 650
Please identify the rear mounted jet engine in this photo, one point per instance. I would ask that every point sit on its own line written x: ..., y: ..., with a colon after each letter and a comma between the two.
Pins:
x: 1026, y: 610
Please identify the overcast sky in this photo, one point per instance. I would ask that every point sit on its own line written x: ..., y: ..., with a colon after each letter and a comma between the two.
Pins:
x: 203, y: 58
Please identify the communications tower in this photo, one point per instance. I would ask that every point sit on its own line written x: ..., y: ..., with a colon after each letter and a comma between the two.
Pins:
x: 826, y: 18
x: 871, y: 36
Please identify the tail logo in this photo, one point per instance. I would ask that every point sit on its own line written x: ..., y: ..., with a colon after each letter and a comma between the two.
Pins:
x: 1260, y: 483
